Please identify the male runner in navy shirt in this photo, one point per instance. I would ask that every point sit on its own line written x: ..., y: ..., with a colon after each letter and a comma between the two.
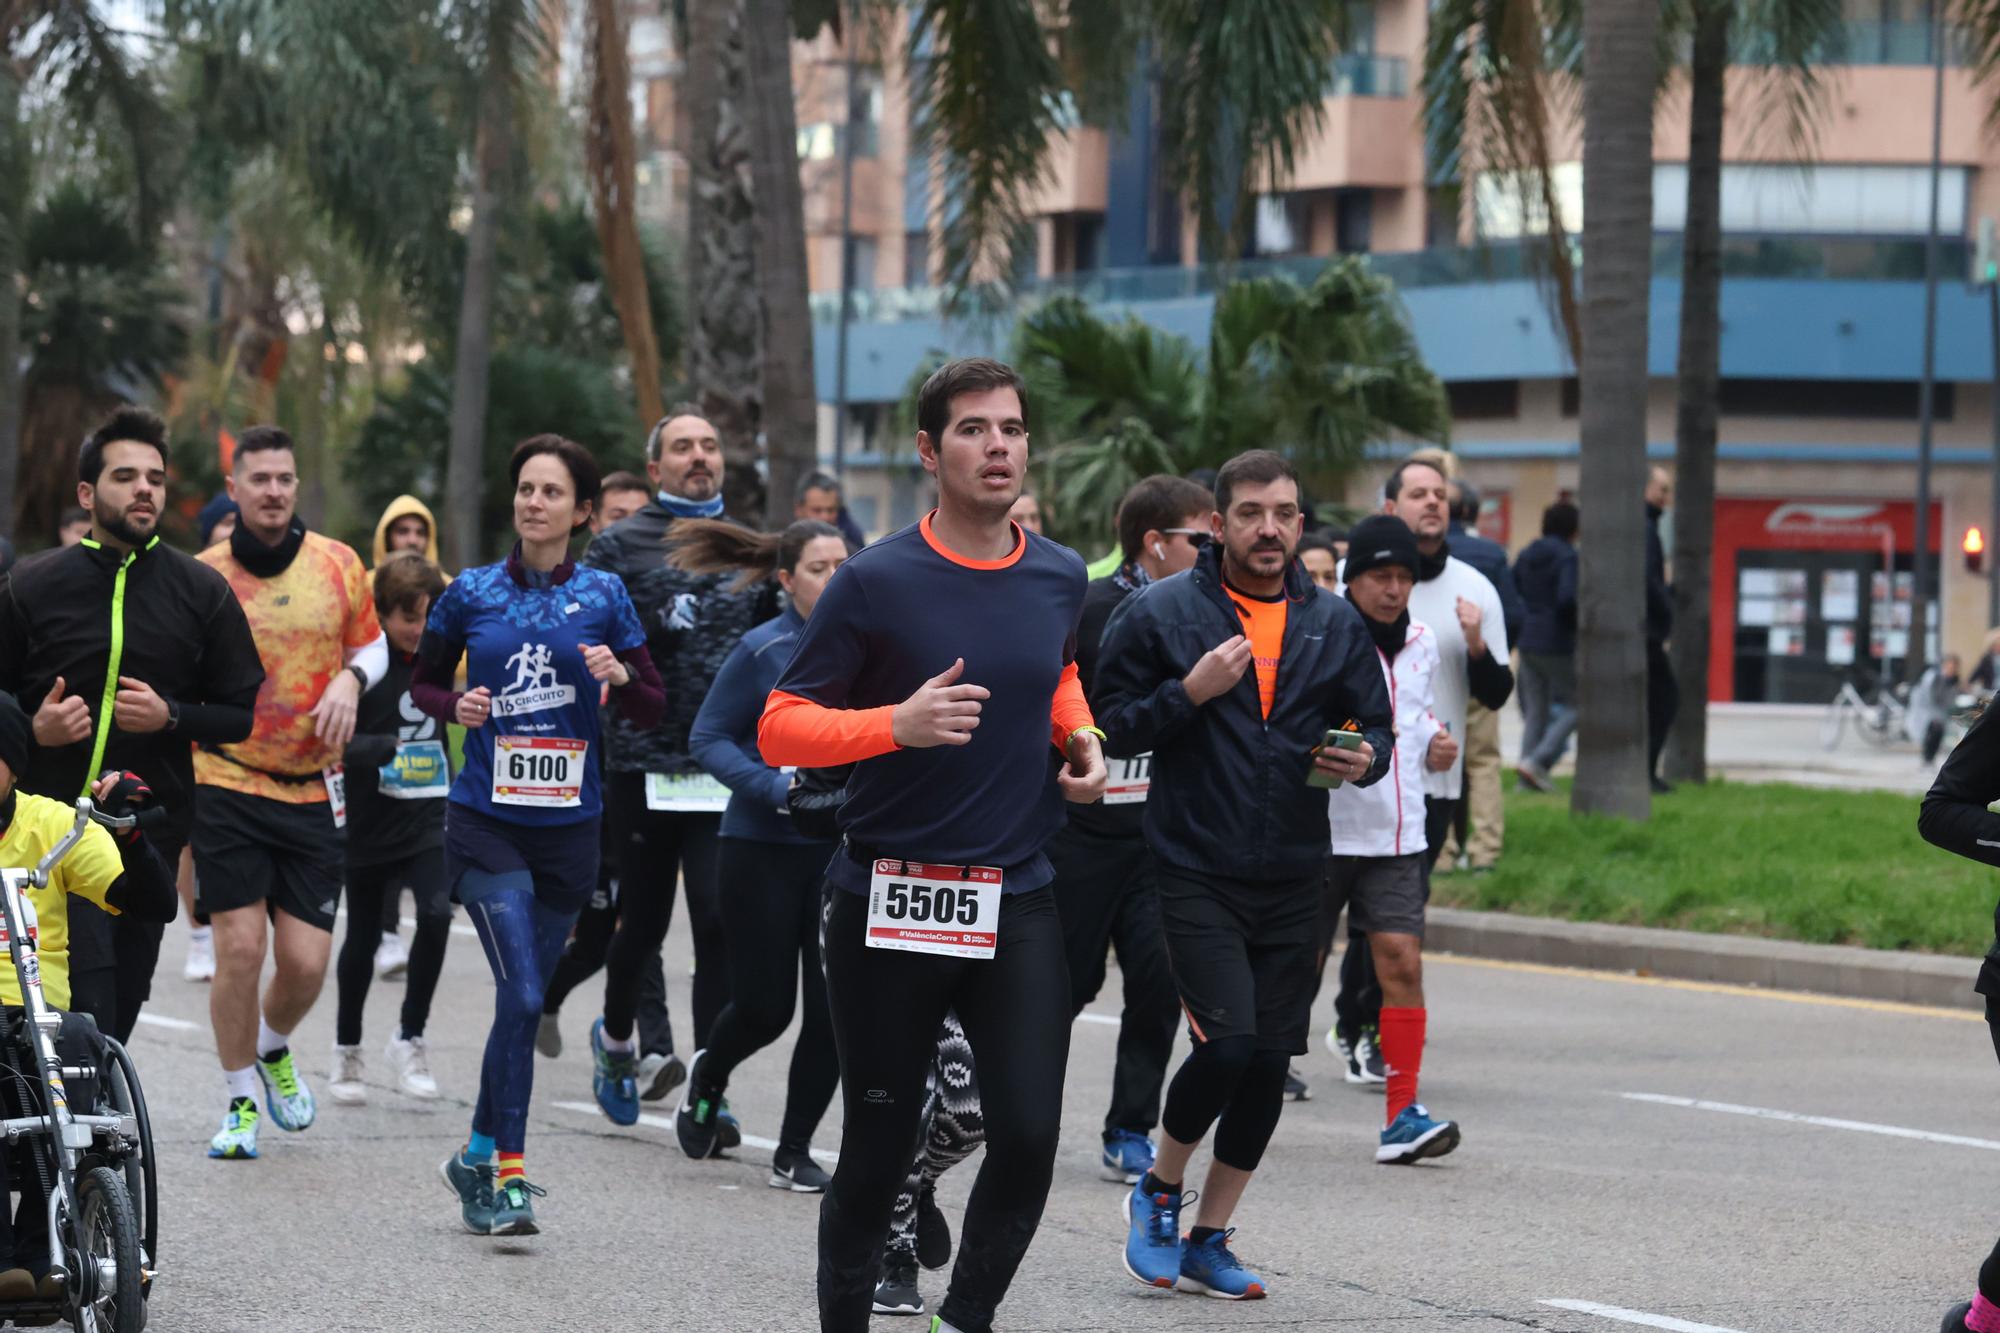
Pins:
x: 941, y: 662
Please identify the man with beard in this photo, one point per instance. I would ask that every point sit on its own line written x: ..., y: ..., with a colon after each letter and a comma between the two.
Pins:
x: 130, y: 652
x: 664, y: 811
x: 1231, y: 676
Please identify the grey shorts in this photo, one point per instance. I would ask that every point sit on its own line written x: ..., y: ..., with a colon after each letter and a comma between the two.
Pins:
x: 1384, y: 894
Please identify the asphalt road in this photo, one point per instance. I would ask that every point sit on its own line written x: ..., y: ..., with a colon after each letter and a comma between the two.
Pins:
x: 1572, y: 1186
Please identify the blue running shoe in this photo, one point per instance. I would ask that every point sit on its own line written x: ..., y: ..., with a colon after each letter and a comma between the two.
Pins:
x: 514, y: 1208
x: 1153, y: 1236
x: 1212, y: 1269
x: 286, y: 1095
x: 1413, y: 1136
x: 614, y: 1079
x: 1127, y: 1156
x: 236, y: 1141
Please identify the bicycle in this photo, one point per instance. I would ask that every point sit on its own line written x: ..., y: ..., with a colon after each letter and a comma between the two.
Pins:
x: 102, y: 1204
x: 1879, y: 720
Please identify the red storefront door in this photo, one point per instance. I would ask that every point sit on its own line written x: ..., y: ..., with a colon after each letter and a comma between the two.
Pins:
x: 1804, y: 592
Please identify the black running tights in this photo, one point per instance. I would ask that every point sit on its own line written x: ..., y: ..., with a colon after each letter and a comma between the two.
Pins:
x: 656, y: 848
x: 770, y: 907
x: 367, y: 888
x: 886, y: 1008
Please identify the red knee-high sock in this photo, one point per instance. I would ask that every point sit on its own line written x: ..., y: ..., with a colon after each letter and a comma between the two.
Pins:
x: 1403, y: 1053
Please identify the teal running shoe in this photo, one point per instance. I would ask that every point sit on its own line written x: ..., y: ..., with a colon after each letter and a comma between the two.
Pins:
x: 474, y: 1187
x: 1413, y: 1136
x: 514, y: 1209
x: 1153, y: 1235
x: 614, y: 1079
x: 286, y: 1095
x: 236, y: 1141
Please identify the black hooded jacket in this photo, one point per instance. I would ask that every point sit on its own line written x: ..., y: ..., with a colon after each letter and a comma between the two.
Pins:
x: 1229, y: 793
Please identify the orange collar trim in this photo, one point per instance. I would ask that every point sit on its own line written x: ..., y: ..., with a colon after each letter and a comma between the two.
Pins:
x: 1011, y: 558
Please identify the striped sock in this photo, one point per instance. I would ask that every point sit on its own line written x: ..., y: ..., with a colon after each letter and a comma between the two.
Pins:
x: 512, y: 1168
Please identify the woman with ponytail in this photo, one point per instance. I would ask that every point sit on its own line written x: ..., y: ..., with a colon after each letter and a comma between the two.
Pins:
x: 770, y: 872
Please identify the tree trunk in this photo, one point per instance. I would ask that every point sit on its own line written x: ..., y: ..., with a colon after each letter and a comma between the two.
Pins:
x: 1700, y: 370
x: 726, y: 326
x: 464, y: 545
x: 13, y: 193
x: 1619, y: 58
x: 791, y: 400
x: 613, y: 171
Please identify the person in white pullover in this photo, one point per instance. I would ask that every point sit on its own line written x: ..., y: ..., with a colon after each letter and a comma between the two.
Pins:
x: 1380, y: 848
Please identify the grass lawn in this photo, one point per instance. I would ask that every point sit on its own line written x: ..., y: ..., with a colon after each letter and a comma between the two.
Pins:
x: 1799, y: 863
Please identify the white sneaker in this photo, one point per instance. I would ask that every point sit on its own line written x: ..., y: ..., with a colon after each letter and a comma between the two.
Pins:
x: 346, y: 1086
x: 392, y: 960
x: 412, y: 1066
x: 200, y: 965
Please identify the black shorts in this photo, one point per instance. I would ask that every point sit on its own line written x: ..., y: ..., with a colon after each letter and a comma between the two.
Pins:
x: 1244, y: 954
x: 1385, y: 895
x: 559, y: 860
x: 252, y: 850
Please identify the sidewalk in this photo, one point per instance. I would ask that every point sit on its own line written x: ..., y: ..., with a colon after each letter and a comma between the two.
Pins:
x: 1780, y: 743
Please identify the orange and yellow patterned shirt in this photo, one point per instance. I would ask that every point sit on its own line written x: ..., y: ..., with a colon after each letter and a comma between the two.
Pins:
x: 305, y: 620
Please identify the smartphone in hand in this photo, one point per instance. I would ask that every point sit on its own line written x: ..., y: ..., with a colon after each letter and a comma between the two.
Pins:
x: 1342, y: 740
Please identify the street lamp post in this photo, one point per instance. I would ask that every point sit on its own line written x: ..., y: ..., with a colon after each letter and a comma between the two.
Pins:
x: 846, y: 259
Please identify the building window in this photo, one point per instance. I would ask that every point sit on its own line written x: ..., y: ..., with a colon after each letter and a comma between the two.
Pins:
x: 1353, y: 221
x: 864, y: 263
x: 916, y: 259
x: 1484, y: 400
x: 1858, y: 400
x: 1849, y: 200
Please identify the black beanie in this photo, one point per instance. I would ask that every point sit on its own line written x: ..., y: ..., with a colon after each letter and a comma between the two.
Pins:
x: 16, y: 737
x: 1380, y: 539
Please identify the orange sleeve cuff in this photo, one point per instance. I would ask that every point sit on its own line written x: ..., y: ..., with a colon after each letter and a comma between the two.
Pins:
x: 796, y: 731
x: 1069, y: 711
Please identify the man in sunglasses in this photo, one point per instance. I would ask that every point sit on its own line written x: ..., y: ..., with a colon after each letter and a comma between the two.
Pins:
x: 1105, y: 890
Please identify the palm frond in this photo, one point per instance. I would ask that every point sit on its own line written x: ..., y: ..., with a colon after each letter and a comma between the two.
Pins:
x: 1790, y: 48
x: 1242, y: 91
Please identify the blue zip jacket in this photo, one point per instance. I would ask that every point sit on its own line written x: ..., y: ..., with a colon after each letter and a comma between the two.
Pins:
x: 723, y: 739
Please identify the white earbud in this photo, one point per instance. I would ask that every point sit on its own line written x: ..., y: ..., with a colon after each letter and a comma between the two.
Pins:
x: 1158, y: 554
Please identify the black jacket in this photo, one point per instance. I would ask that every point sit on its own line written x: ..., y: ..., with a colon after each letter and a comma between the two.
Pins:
x: 1955, y: 817
x: 1545, y: 576
x: 1490, y: 558
x: 1229, y: 793
x: 1101, y: 598
x: 181, y: 630
x: 1659, y: 595
x: 691, y: 621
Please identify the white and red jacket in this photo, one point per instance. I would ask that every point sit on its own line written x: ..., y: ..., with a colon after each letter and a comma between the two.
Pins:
x: 1387, y: 819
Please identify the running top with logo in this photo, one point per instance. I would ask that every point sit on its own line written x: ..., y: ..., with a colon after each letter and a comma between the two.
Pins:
x: 894, y: 616
x: 89, y: 871
x: 398, y: 772
x: 692, y: 621
x: 305, y: 618
x: 522, y: 633
x: 1264, y: 625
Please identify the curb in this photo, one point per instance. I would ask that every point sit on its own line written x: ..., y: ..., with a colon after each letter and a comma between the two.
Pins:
x: 1738, y: 960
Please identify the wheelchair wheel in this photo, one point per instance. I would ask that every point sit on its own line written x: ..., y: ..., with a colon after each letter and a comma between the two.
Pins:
x: 121, y: 1084
x: 107, y: 1249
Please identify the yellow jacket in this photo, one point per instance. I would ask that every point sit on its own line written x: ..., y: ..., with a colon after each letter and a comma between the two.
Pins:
x: 399, y: 507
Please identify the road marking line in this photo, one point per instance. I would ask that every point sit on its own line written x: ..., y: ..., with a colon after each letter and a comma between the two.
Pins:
x: 666, y: 1122
x: 1712, y: 987
x: 1107, y: 1019
x: 1639, y: 1317
x: 1825, y: 1122
x: 162, y: 1021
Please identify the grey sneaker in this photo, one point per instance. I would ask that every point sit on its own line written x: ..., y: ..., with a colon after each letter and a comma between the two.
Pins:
x: 548, y: 1037
x: 659, y: 1074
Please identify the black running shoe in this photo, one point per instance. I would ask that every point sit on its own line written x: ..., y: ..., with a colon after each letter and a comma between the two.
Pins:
x: 1954, y: 1320
x: 897, y: 1292
x: 1295, y: 1087
x: 933, y: 1232
x: 798, y: 1172
x: 698, y: 1123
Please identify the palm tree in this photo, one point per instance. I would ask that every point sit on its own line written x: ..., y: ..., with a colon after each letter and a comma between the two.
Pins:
x: 1500, y: 78
x: 72, y: 48
x: 1321, y: 371
x: 102, y: 318
x: 750, y: 325
x: 1619, y: 74
x: 613, y: 169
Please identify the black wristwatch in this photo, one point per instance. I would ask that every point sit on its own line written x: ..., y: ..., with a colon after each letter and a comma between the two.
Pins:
x: 360, y: 677
x: 173, y: 716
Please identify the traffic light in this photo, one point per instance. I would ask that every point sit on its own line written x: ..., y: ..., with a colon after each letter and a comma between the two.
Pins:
x: 1974, y: 547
